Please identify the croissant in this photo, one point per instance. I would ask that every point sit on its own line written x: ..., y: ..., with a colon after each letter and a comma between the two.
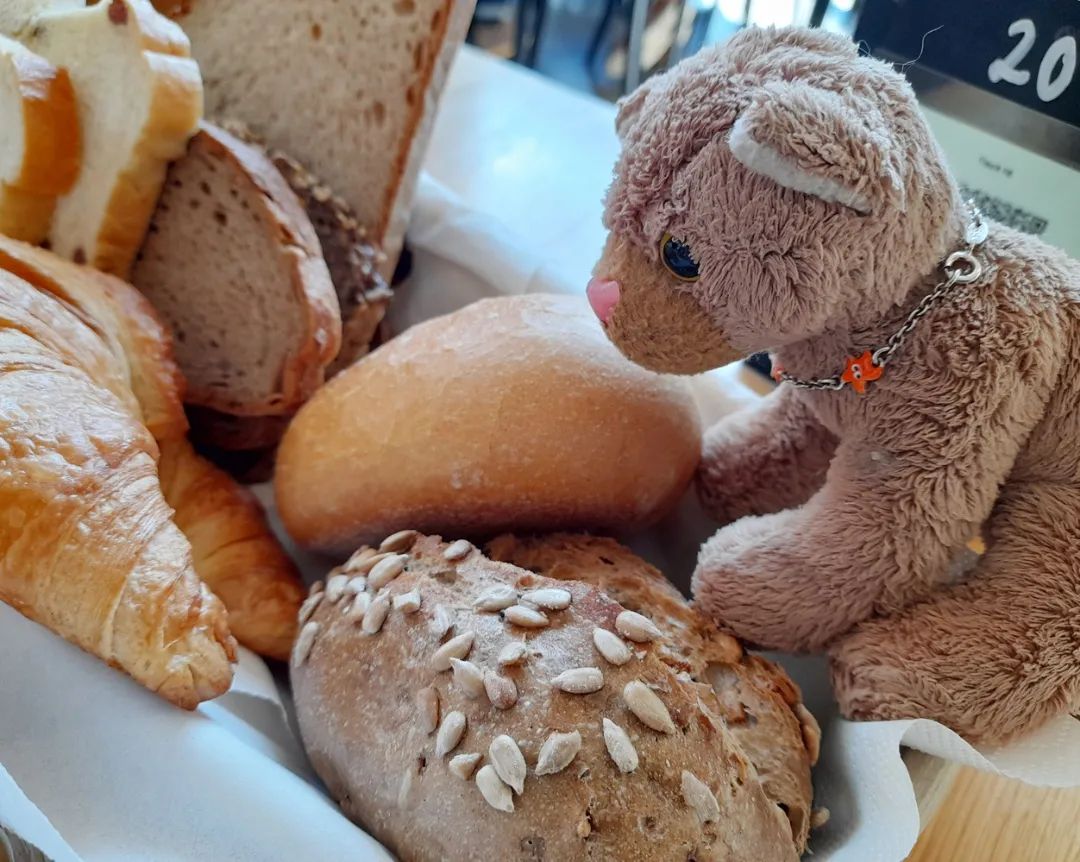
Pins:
x: 235, y: 553
x: 87, y: 544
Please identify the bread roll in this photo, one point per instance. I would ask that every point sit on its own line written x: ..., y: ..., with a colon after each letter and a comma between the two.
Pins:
x: 514, y: 413
x: 452, y: 733
x: 760, y: 704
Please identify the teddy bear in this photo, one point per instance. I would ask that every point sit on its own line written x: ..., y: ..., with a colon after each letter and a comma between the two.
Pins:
x: 783, y: 193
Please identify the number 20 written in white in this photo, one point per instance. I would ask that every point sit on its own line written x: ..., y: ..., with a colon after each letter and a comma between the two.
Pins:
x: 1056, y: 70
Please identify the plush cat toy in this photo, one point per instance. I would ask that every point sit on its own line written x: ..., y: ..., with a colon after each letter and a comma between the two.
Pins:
x: 783, y: 193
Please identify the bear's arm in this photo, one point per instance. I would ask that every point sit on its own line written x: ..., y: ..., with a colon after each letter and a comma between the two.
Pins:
x: 770, y: 457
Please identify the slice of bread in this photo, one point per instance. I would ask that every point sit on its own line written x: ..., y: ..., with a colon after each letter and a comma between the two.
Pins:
x: 232, y: 263
x: 39, y: 141
x: 348, y: 88
x: 140, y: 98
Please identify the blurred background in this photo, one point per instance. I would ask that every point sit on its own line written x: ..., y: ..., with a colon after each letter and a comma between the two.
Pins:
x: 585, y: 44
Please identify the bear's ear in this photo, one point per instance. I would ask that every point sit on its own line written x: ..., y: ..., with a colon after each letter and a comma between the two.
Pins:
x: 629, y: 107
x: 822, y: 143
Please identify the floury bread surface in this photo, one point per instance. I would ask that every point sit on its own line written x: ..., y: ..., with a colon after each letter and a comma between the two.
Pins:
x: 463, y: 709
x: 514, y: 413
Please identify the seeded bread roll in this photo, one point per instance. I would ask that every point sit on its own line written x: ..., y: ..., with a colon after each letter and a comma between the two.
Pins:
x: 515, y: 413
x: 760, y: 704
x: 464, y: 709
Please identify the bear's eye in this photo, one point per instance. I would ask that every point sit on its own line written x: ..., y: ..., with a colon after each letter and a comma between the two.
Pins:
x: 678, y: 259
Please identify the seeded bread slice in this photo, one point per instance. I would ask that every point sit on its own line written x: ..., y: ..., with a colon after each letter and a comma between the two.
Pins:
x: 352, y: 258
x: 39, y: 141
x: 139, y: 97
x: 233, y: 264
x: 348, y: 88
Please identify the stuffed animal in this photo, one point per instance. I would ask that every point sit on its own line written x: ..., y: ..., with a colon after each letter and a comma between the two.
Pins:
x: 783, y: 193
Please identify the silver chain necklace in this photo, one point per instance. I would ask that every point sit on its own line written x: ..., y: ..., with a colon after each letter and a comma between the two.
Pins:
x: 960, y: 267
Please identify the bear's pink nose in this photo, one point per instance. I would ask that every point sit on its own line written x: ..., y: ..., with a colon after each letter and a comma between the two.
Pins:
x: 603, y: 296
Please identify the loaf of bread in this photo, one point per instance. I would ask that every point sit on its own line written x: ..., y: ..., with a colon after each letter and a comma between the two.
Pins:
x: 233, y: 265
x: 515, y: 413
x: 350, y: 89
x: 465, y: 709
x: 760, y: 704
x: 139, y: 97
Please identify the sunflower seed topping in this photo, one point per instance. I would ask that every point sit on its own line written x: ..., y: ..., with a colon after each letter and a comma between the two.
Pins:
x: 527, y: 618
x: 458, y: 550
x: 375, y: 615
x: 495, y: 793
x: 497, y: 599
x: 468, y: 677
x: 611, y: 647
x: 508, y: 761
x: 450, y: 732
x: 365, y: 564
x: 501, y: 691
x: 384, y: 571
x: 463, y: 765
x: 698, y: 796
x: 513, y: 653
x: 335, y: 588
x: 579, y: 680
x: 358, y: 561
x: 408, y: 603
x: 442, y: 621
x: 308, y: 607
x: 552, y: 599
x: 620, y: 747
x: 304, y: 641
x: 647, y: 706
x: 399, y: 541
x: 557, y: 752
x: 427, y: 704
x: 454, y: 648
x: 356, y: 585
x: 359, y: 607
x: 316, y: 588
x: 635, y: 627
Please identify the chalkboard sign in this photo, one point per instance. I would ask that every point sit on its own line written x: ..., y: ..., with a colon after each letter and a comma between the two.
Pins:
x: 1027, y: 51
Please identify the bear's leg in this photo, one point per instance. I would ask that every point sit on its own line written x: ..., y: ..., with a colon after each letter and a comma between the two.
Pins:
x: 764, y: 459
x: 880, y: 534
x: 995, y: 655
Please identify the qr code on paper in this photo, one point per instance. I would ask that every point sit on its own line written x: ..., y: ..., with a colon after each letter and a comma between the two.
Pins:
x: 1005, y: 212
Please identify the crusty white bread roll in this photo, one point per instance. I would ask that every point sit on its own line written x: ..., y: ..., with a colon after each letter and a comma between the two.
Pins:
x: 514, y: 413
x: 464, y: 709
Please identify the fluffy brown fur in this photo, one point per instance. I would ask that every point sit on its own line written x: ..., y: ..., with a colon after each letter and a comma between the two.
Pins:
x: 819, y: 209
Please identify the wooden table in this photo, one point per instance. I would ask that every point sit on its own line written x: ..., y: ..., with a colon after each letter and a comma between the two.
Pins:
x: 986, y: 818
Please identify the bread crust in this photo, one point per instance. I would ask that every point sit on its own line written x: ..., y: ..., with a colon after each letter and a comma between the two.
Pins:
x: 370, y: 740
x: 234, y: 551
x: 51, y: 148
x: 760, y: 704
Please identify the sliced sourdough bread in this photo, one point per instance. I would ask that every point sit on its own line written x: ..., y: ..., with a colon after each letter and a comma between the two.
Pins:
x: 232, y: 263
x: 40, y: 147
x: 139, y: 98
x: 348, y: 88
